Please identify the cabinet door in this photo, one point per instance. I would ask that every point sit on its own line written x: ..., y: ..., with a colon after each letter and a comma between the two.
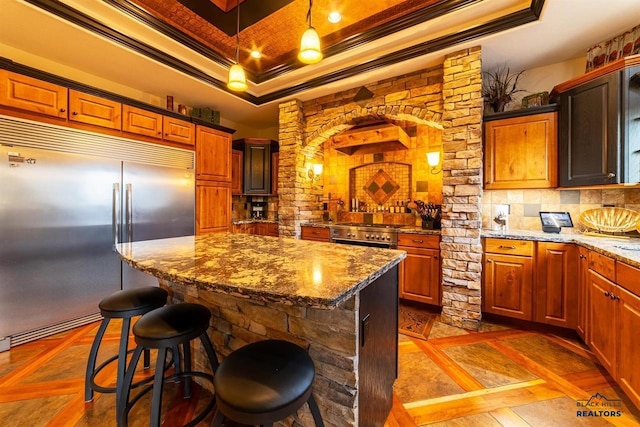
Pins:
x: 583, y: 293
x: 141, y: 122
x: 520, y: 152
x: 236, y: 171
x: 257, y: 168
x: 556, y: 300
x: 507, y: 285
x: 93, y: 110
x: 273, y: 230
x: 179, y: 131
x: 275, y: 167
x: 589, y: 133
x: 603, y: 334
x: 26, y: 93
x: 213, y: 207
x: 213, y: 155
x: 420, y: 275
x: 628, y: 325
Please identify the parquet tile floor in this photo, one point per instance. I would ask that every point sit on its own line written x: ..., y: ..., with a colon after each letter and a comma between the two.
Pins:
x: 500, y: 376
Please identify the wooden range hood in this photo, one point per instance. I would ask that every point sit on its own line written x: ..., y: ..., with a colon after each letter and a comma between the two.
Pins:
x: 371, y: 139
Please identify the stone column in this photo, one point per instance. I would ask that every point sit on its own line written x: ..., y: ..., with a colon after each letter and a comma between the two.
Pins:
x: 290, y: 136
x: 461, y: 249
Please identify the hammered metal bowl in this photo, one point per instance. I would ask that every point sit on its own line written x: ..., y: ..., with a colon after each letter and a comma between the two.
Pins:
x: 610, y: 220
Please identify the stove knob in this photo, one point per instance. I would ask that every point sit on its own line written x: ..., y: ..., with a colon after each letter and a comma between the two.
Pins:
x: 388, y: 237
x: 378, y: 237
x: 348, y: 234
x: 367, y: 236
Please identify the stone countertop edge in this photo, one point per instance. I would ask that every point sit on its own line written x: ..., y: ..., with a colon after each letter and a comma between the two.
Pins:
x: 609, y: 246
x: 271, y: 269
x: 409, y: 229
x: 253, y: 221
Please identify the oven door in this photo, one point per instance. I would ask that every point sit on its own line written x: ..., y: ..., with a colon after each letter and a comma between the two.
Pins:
x: 384, y: 245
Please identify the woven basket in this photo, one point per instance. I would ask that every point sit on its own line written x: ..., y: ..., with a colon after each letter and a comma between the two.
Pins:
x: 610, y: 220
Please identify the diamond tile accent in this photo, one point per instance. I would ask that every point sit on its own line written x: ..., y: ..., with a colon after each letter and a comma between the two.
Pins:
x: 381, y: 187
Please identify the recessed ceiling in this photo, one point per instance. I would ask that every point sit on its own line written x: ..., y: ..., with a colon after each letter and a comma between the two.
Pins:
x: 160, y: 47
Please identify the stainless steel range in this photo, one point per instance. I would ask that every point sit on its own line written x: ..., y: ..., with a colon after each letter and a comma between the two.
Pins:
x: 375, y: 235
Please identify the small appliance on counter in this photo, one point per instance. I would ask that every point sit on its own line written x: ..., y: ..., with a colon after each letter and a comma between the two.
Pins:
x: 552, y: 222
x: 258, y: 207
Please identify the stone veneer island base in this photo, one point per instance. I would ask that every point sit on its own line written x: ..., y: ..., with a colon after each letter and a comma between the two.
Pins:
x: 338, y: 301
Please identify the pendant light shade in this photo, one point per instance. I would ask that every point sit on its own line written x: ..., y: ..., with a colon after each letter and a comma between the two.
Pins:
x: 237, y: 79
x: 310, y: 51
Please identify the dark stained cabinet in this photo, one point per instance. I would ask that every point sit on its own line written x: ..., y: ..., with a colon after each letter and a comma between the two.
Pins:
x: 599, y: 130
x: 256, y: 164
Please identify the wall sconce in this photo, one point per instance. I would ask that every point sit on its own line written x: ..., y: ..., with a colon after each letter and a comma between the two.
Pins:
x: 433, y: 159
x: 315, y: 171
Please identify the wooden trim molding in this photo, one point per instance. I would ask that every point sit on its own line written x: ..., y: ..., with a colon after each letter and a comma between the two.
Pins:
x: 528, y: 14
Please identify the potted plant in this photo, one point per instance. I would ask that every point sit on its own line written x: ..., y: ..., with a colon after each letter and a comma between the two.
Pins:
x: 498, y: 87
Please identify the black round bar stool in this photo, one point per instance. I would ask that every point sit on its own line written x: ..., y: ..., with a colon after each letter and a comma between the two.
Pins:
x: 164, y: 329
x: 264, y: 382
x: 121, y: 305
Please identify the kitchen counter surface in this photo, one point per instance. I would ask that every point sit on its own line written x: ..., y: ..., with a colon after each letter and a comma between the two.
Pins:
x: 283, y: 270
x: 626, y: 250
x: 405, y: 229
x: 254, y: 221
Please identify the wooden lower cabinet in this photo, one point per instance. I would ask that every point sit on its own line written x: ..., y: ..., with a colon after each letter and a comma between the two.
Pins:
x: 508, y: 285
x: 583, y: 293
x: 267, y: 229
x: 556, y: 286
x: 603, y: 334
x: 315, y: 233
x: 213, y: 207
x: 249, y: 228
x: 419, y: 273
x: 628, y: 325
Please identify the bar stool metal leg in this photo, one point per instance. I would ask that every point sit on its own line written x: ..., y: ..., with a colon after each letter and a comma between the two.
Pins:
x: 91, y: 363
x: 158, y: 384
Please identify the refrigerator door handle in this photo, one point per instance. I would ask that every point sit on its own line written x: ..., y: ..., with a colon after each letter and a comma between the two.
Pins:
x: 129, y: 212
x: 115, y: 215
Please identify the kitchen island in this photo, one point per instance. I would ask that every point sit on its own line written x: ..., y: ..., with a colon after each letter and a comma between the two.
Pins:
x: 339, y: 301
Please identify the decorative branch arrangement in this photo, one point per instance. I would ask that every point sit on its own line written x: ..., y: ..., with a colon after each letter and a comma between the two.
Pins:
x: 498, y: 87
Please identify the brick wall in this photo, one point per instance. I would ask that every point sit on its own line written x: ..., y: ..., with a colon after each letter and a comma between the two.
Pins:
x: 440, y: 108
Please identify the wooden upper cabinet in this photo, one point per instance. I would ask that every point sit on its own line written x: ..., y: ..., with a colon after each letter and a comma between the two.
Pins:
x: 213, y: 155
x: 33, y: 95
x: 236, y: 171
x: 521, y: 152
x: 141, y: 122
x: 94, y: 110
x: 556, y: 290
x: 176, y: 130
x: 213, y: 207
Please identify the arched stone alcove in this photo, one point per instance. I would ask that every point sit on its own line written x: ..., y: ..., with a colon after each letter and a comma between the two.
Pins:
x: 446, y: 98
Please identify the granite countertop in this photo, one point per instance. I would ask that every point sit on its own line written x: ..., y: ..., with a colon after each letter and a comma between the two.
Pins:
x: 411, y: 229
x: 626, y: 250
x: 274, y: 269
x: 253, y: 221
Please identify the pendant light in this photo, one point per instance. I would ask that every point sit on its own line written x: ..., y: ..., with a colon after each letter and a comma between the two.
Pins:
x: 310, y: 52
x: 237, y: 80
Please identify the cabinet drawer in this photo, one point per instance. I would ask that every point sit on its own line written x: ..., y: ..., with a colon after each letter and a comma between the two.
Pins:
x: 509, y: 247
x: 602, y: 265
x: 314, y: 233
x: 628, y: 277
x: 419, y: 241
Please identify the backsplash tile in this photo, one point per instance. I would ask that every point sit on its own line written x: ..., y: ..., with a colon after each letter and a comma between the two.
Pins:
x: 525, y: 204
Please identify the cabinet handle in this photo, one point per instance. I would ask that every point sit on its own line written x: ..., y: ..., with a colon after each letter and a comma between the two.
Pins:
x: 489, y: 261
x: 418, y: 241
x: 607, y: 294
x: 435, y: 257
x: 75, y: 113
x: 62, y: 110
x: 315, y: 232
x: 583, y: 256
x: 611, y: 175
x: 507, y: 247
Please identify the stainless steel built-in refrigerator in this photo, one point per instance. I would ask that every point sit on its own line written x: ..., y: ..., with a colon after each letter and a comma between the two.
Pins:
x: 66, y: 196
